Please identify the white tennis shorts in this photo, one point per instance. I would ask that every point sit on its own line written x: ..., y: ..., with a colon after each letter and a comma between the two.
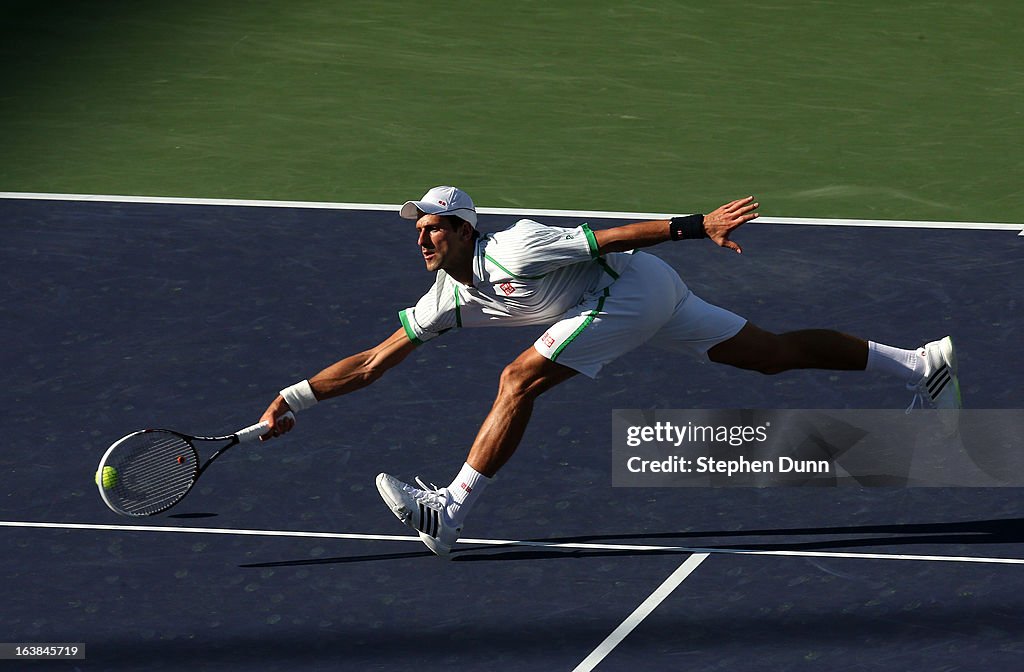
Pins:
x: 648, y: 303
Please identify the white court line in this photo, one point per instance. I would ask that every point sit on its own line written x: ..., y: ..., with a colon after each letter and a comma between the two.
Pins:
x: 640, y: 613
x: 511, y: 542
x: 173, y: 200
x: 698, y: 555
x: 520, y: 212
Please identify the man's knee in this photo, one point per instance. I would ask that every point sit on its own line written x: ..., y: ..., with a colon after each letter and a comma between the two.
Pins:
x: 752, y: 349
x: 516, y: 378
x: 530, y: 374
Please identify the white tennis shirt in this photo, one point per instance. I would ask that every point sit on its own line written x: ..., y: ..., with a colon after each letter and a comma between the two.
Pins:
x: 527, y: 274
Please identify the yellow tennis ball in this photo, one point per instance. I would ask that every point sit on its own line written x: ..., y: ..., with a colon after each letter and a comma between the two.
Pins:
x: 109, y: 477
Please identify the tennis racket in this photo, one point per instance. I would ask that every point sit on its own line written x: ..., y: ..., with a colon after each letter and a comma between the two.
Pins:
x: 149, y: 471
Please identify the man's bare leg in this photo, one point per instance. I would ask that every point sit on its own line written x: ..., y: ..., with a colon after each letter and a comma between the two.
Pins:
x: 532, y: 374
x: 755, y: 349
x: 522, y: 381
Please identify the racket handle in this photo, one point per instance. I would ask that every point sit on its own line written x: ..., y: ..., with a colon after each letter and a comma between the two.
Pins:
x: 259, y: 429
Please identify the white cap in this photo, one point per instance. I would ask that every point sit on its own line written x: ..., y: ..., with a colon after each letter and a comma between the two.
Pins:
x: 442, y: 201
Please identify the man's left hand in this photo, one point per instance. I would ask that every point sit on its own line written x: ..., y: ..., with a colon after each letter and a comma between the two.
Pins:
x: 720, y: 223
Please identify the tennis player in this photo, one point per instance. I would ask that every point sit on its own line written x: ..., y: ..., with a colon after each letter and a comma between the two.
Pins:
x: 597, y: 298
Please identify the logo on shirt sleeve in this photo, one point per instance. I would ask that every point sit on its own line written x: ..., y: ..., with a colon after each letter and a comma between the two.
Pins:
x: 507, y: 287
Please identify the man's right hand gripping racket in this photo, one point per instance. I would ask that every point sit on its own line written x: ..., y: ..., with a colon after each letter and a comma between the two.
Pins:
x: 149, y: 471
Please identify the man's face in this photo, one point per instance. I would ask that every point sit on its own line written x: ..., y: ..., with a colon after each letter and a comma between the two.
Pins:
x: 443, y: 245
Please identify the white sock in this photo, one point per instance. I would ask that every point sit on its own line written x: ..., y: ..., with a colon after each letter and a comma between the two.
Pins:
x: 464, y: 491
x: 905, y: 364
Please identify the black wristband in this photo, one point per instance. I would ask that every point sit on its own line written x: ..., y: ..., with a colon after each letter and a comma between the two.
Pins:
x: 688, y: 227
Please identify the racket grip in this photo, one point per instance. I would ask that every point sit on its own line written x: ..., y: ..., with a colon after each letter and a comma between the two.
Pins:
x: 259, y: 429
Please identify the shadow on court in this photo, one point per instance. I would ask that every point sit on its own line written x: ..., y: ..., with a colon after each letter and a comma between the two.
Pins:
x: 1002, y: 531
x: 984, y: 532
x: 342, y: 560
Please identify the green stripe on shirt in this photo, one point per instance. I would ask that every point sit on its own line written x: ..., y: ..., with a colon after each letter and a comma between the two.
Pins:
x: 408, y: 328
x: 458, y: 308
x: 510, y: 273
x: 591, y: 241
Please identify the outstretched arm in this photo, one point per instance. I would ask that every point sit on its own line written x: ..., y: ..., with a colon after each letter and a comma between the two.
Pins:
x: 718, y: 225
x: 347, y: 375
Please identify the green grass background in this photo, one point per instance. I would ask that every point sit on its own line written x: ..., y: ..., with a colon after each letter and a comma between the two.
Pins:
x: 876, y: 109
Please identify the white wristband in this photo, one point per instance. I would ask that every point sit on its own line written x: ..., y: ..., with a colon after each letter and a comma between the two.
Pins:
x: 299, y: 396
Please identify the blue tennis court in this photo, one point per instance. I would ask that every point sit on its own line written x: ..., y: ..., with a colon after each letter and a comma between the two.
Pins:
x: 122, y: 315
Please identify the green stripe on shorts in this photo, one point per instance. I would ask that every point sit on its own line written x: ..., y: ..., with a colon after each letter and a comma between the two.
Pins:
x: 586, y: 323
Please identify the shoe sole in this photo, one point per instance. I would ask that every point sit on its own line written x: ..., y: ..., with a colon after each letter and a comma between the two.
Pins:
x: 401, y: 512
x: 433, y: 545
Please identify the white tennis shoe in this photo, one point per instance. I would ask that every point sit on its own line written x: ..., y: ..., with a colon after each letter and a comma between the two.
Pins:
x: 422, y: 509
x: 940, y: 385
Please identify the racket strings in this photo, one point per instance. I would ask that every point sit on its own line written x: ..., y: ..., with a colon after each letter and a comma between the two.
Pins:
x: 153, y: 471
